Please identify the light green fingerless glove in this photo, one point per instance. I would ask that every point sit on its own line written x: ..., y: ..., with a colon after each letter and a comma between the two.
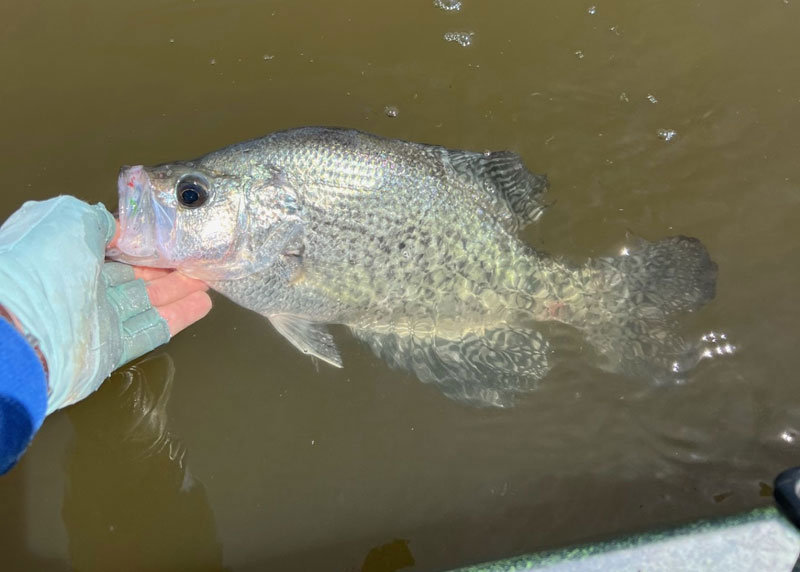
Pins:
x: 87, y: 315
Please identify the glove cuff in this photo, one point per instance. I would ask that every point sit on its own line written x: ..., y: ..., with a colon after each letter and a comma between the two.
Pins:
x: 22, y: 377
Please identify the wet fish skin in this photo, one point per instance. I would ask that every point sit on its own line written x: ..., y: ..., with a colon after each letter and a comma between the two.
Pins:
x: 413, y: 247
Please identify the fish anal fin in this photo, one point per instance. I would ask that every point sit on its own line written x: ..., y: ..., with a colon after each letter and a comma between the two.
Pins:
x: 515, y: 191
x: 309, y: 337
x: 486, y: 369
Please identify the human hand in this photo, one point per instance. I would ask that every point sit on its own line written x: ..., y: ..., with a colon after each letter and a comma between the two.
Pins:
x: 86, y: 316
x: 179, y: 300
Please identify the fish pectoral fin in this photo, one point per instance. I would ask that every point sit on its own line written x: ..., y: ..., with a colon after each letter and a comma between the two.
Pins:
x: 309, y: 337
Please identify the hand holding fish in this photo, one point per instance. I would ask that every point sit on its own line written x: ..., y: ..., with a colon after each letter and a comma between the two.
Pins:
x: 179, y: 300
x: 85, y: 316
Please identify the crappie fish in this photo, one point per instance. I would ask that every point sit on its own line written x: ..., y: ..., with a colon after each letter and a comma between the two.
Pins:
x: 414, y: 248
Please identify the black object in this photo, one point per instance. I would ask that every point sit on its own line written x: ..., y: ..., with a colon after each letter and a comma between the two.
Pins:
x: 787, y: 494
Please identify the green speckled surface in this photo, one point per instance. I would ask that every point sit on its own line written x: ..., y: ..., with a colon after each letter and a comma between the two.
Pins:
x: 759, y: 540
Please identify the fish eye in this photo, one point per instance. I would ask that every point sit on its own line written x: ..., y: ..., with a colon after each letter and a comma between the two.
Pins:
x: 192, y: 192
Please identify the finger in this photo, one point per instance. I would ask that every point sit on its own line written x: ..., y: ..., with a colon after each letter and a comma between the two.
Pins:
x: 186, y: 311
x: 143, y: 332
x: 147, y: 273
x: 113, y: 242
x: 129, y: 298
x: 172, y: 287
x: 116, y: 273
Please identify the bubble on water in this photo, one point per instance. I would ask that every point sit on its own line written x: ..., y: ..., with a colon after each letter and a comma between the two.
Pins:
x: 666, y: 134
x: 461, y: 38
x: 448, y: 5
x: 624, y: 97
x: 268, y: 56
x: 592, y: 10
x: 391, y: 111
x: 212, y: 61
x: 172, y: 40
x: 651, y: 98
x: 714, y: 337
x: 580, y: 54
x: 717, y: 344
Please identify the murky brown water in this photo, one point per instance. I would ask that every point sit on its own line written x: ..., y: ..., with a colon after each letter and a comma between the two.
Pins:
x: 258, y: 461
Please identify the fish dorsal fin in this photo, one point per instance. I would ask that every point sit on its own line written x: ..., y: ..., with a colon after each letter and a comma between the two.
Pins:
x: 308, y: 337
x: 515, y: 191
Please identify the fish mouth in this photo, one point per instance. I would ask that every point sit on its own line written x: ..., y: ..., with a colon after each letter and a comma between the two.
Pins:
x: 146, y: 225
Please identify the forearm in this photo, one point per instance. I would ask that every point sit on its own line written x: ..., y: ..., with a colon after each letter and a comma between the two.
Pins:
x: 70, y: 317
x: 23, y: 394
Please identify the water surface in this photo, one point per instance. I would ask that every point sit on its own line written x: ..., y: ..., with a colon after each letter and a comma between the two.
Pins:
x: 228, y: 449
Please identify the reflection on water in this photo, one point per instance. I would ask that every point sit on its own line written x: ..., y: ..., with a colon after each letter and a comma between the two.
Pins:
x: 389, y: 557
x: 310, y: 470
x: 127, y: 427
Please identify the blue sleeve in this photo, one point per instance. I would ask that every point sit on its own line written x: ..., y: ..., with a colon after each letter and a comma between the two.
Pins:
x: 23, y: 395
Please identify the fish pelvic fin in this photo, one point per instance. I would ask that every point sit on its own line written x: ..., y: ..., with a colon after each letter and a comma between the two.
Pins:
x: 309, y: 337
x: 631, y: 303
x: 486, y: 369
x: 515, y: 192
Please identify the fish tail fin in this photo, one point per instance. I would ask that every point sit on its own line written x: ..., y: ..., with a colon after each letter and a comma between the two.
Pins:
x: 630, y: 303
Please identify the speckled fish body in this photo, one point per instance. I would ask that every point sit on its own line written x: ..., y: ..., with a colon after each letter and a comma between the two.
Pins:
x: 414, y: 248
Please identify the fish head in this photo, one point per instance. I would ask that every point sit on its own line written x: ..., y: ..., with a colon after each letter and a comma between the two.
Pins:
x: 209, y: 225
